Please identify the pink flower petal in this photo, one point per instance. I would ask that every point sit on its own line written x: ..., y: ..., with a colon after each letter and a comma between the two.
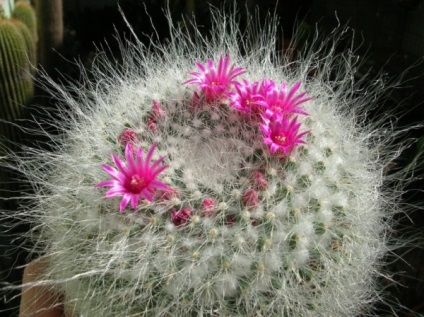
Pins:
x: 115, y: 191
x: 114, y: 173
x: 134, y: 201
x: 124, y: 202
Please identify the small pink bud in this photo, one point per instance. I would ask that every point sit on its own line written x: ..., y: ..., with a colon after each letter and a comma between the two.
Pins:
x: 208, y: 206
x: 151, y: 125
x: 250, y: 198
x: 194, y: 102
x: 128, y: 136
x: 181, y: 217
x: 259, y: 181
x: 157, y: 113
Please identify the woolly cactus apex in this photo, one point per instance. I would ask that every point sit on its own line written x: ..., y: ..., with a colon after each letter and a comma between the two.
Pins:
x: 231, y: 227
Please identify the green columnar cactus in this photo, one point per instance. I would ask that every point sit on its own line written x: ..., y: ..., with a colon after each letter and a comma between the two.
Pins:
x: 16, y: 84
x: 24, y: 11
x: 30, y: 47
x: 50, y: 29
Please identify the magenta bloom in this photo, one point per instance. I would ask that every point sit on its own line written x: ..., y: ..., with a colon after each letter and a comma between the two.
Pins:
x: 282, y: 134
x: 214, y: 82
x: 267, y: 85
x: 248, y: 98
x: 284, y: 102
x: 134, y: 178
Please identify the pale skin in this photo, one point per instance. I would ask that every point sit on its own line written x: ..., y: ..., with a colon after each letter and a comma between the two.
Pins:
x: 39, y: 301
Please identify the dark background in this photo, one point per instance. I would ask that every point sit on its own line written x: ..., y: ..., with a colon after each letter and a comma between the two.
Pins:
x: 389, y: 38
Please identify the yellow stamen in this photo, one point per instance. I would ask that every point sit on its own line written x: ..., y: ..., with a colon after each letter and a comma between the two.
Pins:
x: 137, y: 182
x: 280, y: 139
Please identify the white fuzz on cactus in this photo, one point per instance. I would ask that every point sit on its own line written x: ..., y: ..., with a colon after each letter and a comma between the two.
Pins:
x: 231, y: 223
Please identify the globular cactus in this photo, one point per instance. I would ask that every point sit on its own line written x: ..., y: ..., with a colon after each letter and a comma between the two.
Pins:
x: 199, y: 181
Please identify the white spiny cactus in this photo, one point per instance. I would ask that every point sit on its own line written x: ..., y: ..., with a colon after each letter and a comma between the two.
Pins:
x: 241, y: 229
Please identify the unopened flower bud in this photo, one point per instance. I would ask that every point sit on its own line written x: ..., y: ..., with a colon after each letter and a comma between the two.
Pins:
x: 157, y: 113
x: 259, y: 181
x: 208, y: 206
x: 151, y: 125
x: 128, y: 135
x: 194, y: 102
x: 182, y: 216
x: 250, y: 198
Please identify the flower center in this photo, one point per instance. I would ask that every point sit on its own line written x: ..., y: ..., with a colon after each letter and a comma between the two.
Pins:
x: 276, y: 109
x: 280, y: 139
x: 137, y: 184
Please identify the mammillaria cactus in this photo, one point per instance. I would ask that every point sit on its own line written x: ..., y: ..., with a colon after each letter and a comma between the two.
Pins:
x: 213, y: 183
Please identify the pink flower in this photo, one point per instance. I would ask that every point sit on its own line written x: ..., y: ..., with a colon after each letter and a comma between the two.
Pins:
x: 267, y: 85
x: 182, y: 216
x: 215, y: 83
x: 282, y: 134
x: 134, y: 178
x: 250, y: 198
x: 283, y: 101
x: 248, y: 98
x: 128, y: 136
